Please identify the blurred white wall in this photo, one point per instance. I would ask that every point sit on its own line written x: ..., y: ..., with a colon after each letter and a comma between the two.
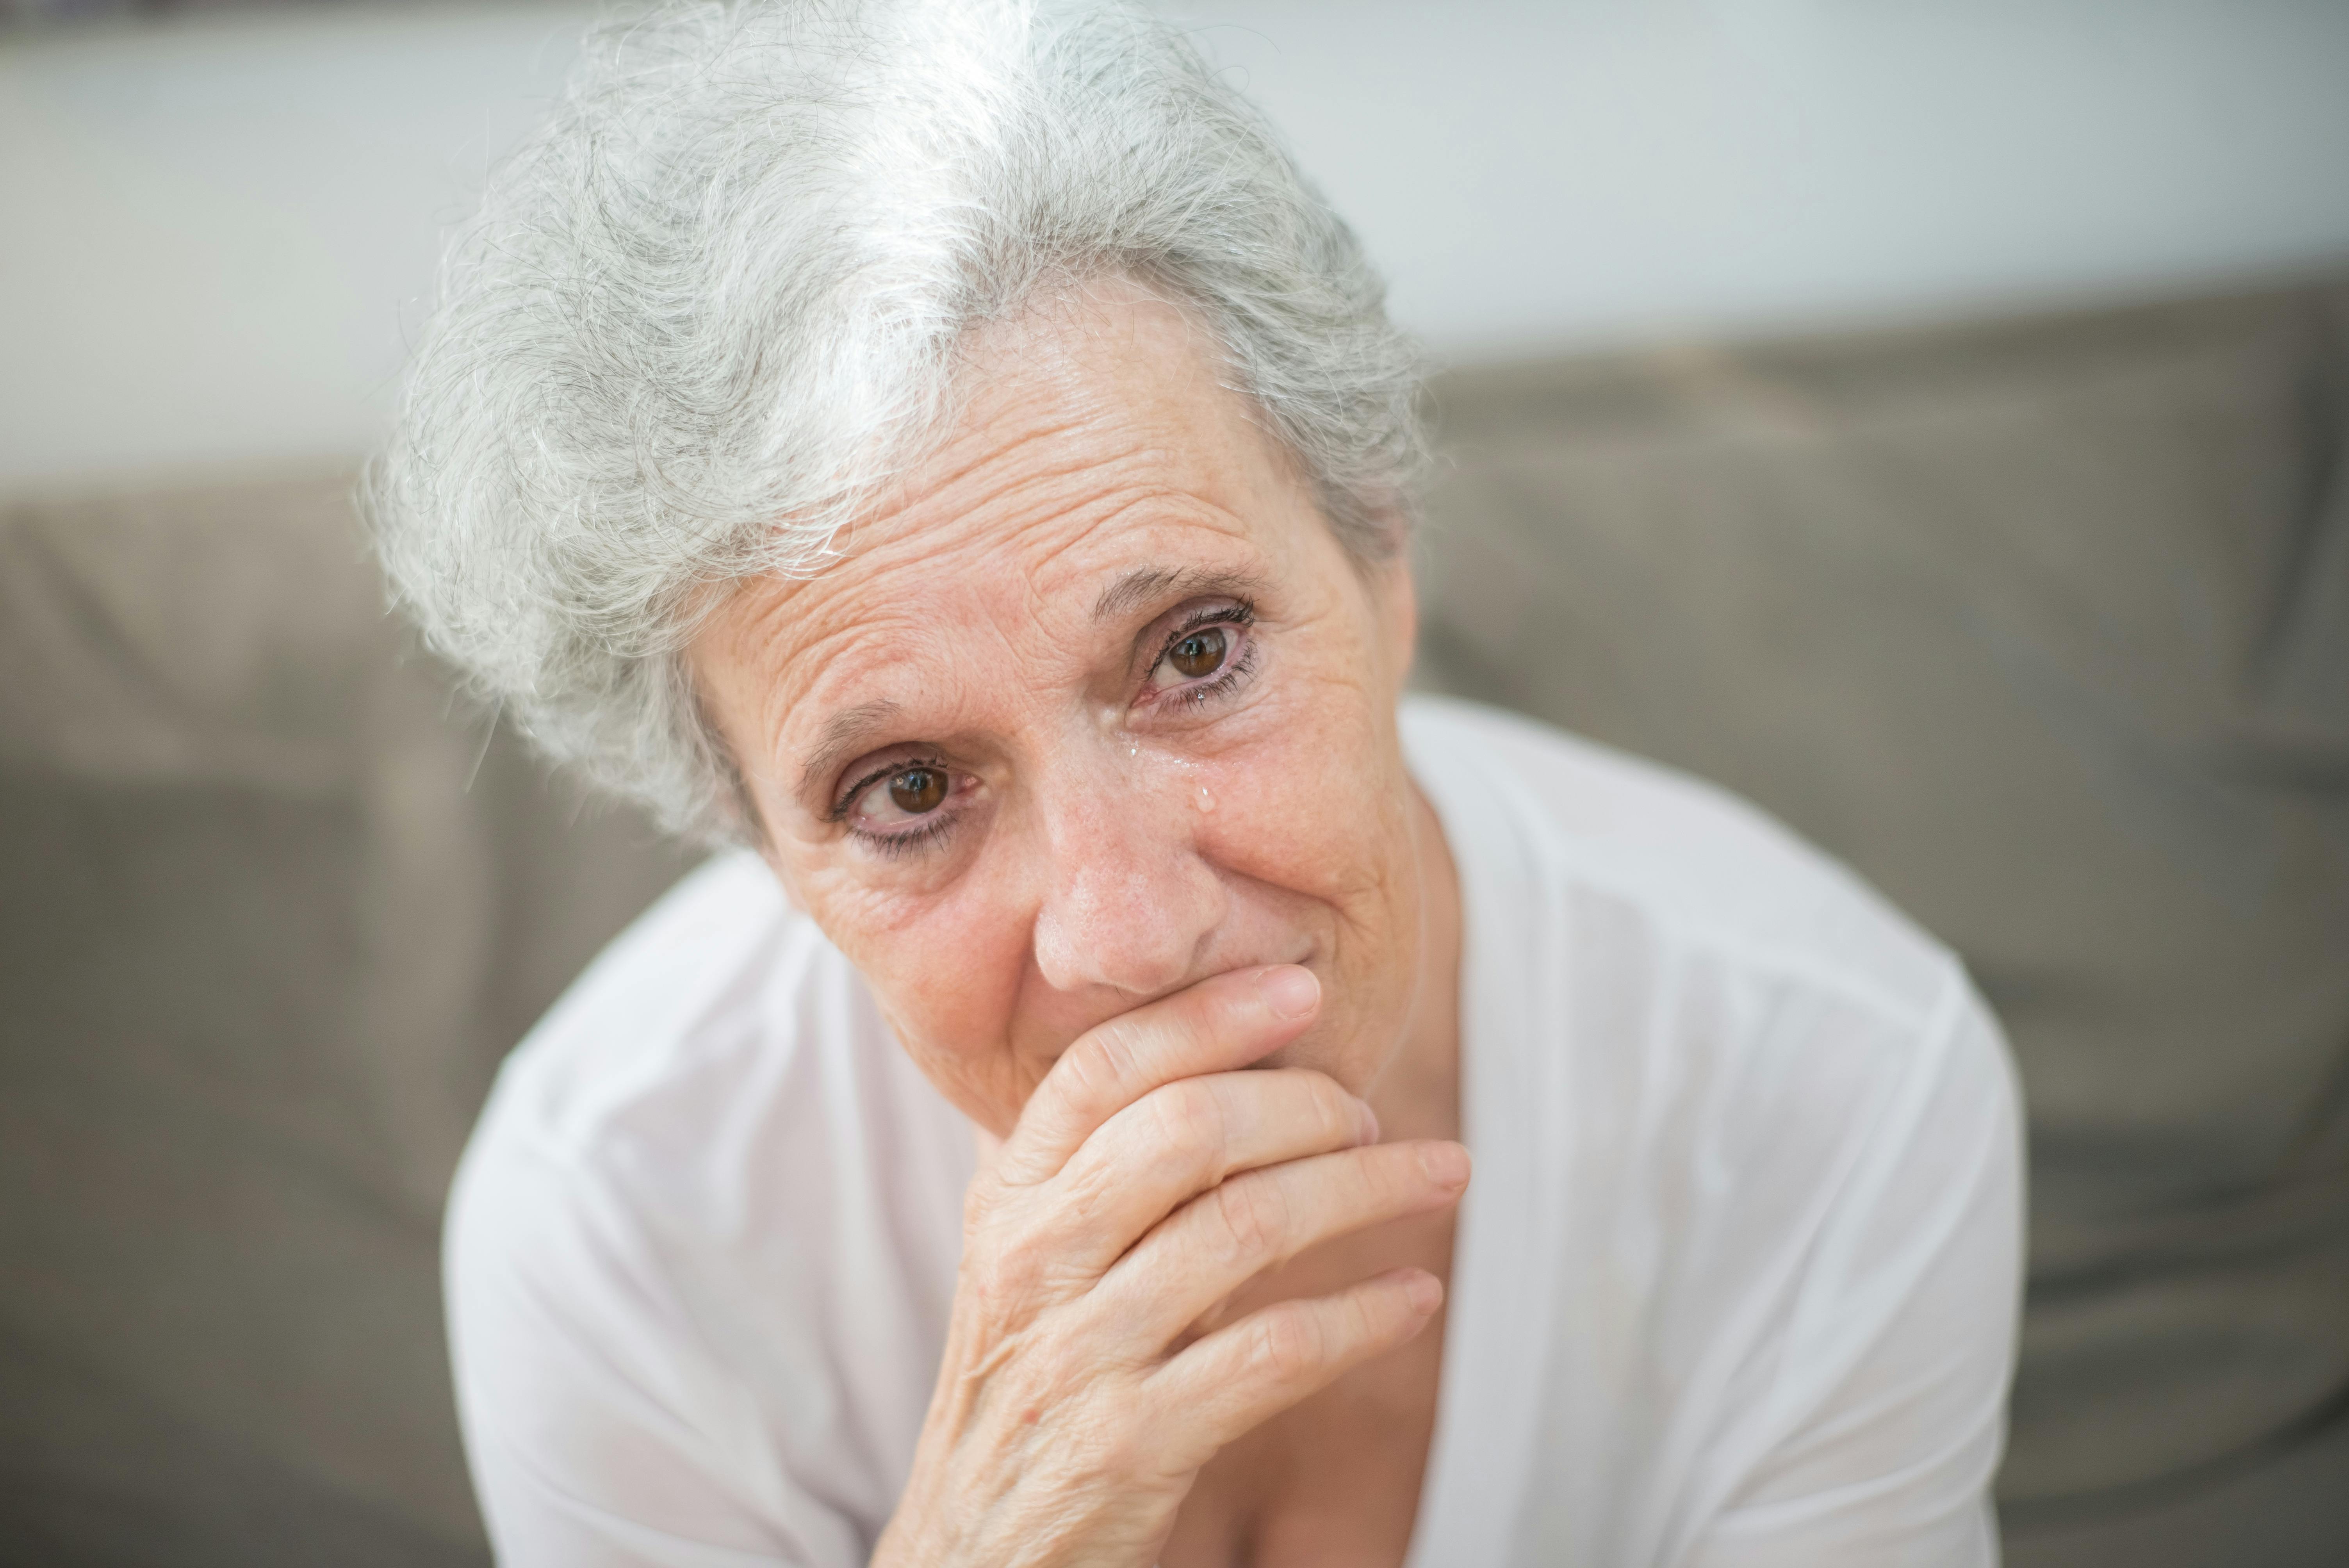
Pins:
x: 215, y: 234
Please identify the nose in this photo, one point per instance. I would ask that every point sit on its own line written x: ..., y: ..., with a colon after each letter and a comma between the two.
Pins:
x: 1128, y: 902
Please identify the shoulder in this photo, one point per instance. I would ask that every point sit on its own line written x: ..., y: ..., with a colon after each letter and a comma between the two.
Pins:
x: 704, y: 985
x: 1695, y: 865
x: 719, y: 1053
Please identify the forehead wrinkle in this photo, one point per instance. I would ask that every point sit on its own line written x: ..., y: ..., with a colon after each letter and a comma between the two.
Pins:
x: 1003, y: 467
x: 934, y: 657
x: 845, y: 630
x: 843, y: 650
x: 963, y: 528
x: 1178, y: 509
x: 858, y: 729
x: 967, y: 469
x: 794, y: 644
x: 1041, y: 576
x: 1031, y: 548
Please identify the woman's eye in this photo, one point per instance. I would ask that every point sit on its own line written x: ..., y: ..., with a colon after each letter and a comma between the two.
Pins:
x: 918, y: 789
x: 1195, y: 655
x: 914, y: 791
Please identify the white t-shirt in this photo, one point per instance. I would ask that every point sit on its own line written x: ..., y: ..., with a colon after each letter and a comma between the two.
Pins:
x: 1735, y: 1283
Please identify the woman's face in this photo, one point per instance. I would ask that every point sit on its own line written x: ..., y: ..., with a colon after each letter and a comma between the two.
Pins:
x: 1094, y: 708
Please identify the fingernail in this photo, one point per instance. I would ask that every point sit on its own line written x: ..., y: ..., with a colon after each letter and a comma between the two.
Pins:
x: 1423, y: 1290
x: 1366, y: 1124
x: 1290, y: 991
x: 1446, y: 1164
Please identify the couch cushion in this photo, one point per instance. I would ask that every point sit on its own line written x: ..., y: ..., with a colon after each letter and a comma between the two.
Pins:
x: 271, y: 919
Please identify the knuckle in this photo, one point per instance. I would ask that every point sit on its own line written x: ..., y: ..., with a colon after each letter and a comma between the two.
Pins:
x: 1100, y: 1063
x: 1394, y: 1173
x: 1121, y: 1449
x: 1286, y: 1343
x: 1189, y: 1115
x: 1083, y: 1191
x: 1254, y: 1214
x: 1332, y: 1105
x: 1373, y: 1314
x: 1003, y: 1282
x: 987, y: 1203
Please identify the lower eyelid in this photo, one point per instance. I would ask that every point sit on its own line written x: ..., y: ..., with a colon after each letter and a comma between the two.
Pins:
x: 910, y: 840
x: 923, y: 829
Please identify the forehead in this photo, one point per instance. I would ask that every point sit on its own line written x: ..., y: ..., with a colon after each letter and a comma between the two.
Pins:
x: 1095, y: 441
x: 1086, y: 425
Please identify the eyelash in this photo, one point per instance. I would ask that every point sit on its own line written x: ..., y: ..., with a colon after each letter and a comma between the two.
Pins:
x: 912, y: 839
x: 1236, y: 670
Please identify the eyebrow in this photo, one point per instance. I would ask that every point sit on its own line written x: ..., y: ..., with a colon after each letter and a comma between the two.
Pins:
x: 844, y: 736
x: 1150, y: 584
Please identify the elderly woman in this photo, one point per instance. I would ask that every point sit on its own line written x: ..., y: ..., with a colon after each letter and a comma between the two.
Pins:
x: 949, y: 450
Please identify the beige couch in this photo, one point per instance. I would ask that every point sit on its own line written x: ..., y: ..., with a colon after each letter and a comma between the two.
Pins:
x: 2044, y: 626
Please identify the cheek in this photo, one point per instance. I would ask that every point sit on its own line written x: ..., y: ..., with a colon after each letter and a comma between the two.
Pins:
x: 1317, y: 807
x: 1312, y: 803
x: 943, y: 963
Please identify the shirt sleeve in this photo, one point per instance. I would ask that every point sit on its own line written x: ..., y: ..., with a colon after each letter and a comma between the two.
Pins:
x: 598, y: 1435
x: 1882, y: 1411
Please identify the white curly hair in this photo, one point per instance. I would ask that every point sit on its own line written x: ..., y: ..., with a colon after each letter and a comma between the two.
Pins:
x: 712, y: 305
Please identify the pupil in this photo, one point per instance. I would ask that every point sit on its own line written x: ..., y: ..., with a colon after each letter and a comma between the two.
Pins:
x: 918, y: 789
x: 1199, y: 654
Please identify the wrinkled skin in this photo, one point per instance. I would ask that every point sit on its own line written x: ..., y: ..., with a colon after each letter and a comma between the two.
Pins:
x: 1084, y: 753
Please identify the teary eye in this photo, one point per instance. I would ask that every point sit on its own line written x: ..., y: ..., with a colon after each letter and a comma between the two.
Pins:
x: 1204, y: 657
x: 1199, y: 654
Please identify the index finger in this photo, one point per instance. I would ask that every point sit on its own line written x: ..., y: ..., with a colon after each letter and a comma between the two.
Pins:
x: 1220, y: 1023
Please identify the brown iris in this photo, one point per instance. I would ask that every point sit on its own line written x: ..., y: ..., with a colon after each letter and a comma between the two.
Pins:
x: 918, y: 789
x: 1199, y: 654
